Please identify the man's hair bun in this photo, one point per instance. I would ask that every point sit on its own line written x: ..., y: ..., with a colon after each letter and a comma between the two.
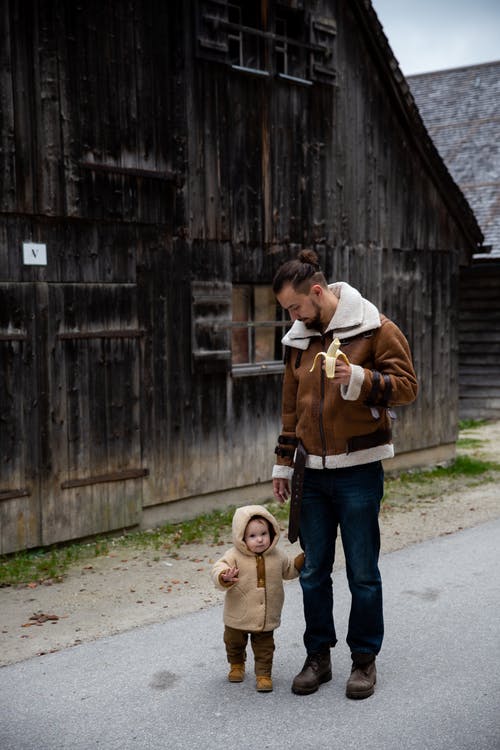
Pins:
x: 310, y: 257
x: 301, y: 272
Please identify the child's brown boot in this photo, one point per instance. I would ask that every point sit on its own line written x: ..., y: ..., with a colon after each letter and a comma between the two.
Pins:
x: 264, y: 684
x: 236, y: 673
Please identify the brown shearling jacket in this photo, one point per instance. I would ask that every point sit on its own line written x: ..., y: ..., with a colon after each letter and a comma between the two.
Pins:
x: 349, y: 425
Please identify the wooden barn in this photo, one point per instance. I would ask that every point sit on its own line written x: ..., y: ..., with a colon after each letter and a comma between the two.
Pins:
x: 158, y: 162
x: 461, y: 110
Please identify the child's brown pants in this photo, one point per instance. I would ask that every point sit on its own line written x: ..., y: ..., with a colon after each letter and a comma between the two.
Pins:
x: 262, y: 646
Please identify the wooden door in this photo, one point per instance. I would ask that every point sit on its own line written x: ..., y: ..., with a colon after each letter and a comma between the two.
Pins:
x: 19, y: 418
x: 70, y: 378
x: 94, y: 471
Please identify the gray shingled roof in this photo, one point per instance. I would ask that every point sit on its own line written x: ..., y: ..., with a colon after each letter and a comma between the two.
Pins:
x: 461, y: 110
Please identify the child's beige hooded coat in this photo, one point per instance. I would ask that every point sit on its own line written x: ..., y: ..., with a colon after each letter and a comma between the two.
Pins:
x: 255, y: 602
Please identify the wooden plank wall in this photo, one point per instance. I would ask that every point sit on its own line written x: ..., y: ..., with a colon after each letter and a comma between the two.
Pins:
x: 151, y: 174
x: 479, y: 337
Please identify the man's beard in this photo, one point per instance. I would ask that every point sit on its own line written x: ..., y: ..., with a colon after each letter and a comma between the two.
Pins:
x: 315, y: 322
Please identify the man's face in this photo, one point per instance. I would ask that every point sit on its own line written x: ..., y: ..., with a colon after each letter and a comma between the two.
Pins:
x: 303, y: 307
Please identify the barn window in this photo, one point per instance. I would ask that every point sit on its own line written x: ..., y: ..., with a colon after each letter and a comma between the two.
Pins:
x: 284, y: 40
x: 246, y: 48
x: 291, y: 55
x: 258, y: 325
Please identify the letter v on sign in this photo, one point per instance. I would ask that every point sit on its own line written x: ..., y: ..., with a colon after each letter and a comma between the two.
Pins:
x: 34, y: 254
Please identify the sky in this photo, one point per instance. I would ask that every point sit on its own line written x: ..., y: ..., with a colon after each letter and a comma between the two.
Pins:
x: 429, y: 35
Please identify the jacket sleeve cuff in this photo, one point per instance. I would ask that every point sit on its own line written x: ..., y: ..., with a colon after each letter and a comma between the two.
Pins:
x: 352, y: 391
x: 282, y: 472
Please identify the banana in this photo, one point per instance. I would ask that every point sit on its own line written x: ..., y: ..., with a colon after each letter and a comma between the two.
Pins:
x: 331, y: 355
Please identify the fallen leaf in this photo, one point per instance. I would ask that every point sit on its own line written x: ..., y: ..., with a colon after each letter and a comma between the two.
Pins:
x: 38, y: 618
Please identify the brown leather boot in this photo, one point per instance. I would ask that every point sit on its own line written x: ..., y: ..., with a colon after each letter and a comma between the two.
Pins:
x: 263, y: 683
x: 236, y: 673
x: 317, y: 669
x: 361, y: 683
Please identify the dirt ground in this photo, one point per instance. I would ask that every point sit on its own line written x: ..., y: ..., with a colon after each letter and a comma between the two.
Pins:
x: 132, y: 587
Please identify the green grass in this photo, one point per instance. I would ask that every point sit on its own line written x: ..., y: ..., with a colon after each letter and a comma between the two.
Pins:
x: 25, y: 567
x: 408, y: 488
x: 471, y: 424
x: 401, y: 491
x: 52, y: 564
x: 468, y: 443
x: 462, y: 466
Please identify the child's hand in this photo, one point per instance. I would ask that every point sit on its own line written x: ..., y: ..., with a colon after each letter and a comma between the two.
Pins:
x: 230, y: 575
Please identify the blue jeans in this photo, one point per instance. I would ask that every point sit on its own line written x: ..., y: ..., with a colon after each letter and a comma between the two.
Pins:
x: 348, y: 499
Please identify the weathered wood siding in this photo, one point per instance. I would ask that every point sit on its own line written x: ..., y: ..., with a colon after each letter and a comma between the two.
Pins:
x: 158, y: 178
x: 479, y: 333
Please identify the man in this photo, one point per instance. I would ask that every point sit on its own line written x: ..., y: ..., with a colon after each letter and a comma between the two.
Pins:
x: 335, y: 433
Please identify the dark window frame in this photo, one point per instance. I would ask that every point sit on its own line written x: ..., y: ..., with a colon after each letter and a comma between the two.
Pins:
x: 253, y: 366
x: 230, y: 31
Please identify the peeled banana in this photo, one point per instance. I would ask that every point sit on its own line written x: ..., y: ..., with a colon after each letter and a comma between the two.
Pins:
x: 331, y: 355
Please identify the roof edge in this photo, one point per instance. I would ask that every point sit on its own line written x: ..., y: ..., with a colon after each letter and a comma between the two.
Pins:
x: 471, y: 66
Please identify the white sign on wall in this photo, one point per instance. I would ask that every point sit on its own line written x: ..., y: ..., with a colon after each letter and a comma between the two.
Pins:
x: 34, y: 254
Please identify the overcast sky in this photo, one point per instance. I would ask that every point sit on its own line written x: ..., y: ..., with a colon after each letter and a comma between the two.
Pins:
x: 428, y: 35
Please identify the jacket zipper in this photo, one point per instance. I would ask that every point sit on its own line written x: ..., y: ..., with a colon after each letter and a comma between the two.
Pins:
x: 321, y: 408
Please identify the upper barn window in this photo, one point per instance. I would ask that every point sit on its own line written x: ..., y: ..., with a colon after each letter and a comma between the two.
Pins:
x: 245, y: 46
x: 267, y: 39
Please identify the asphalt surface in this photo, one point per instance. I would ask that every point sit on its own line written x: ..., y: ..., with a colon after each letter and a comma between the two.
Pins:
x: 164, y: 686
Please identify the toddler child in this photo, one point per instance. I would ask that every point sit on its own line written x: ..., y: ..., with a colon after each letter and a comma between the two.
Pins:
x: 252, y: 574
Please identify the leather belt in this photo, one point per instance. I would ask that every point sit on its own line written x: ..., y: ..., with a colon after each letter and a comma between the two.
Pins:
x: 296, y: 495
x: 357, y: 443
x: 361, y: 442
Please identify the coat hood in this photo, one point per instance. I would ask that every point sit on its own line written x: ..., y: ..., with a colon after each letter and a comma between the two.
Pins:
x: 354, y: 315
x: 240, y: 520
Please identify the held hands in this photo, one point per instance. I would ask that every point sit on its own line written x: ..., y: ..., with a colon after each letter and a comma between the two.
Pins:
x: 230, y: 575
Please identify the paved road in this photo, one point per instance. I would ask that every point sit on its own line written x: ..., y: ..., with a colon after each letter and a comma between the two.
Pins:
x: 164, y: 686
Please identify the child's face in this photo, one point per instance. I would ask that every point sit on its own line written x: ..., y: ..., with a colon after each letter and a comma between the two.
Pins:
x: 257, y: 536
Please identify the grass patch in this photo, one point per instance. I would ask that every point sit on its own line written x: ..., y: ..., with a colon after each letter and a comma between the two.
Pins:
x: 52, y: 564
x: 409, y: 488
x: 471, y: 424
x: 463, y: 466
x: 24, y: 567
x: 469, y: 443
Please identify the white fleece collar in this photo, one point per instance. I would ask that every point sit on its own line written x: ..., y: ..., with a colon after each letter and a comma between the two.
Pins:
x: 354, y: 315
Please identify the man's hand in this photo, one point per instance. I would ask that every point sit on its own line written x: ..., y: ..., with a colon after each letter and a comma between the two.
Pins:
x: 281, y: 490
x: 342, y: 373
